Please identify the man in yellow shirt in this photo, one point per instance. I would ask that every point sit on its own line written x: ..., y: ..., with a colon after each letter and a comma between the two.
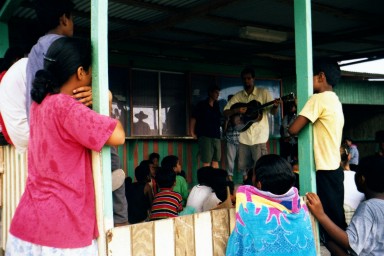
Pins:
x: 324, y: 110
x: 252, y: 141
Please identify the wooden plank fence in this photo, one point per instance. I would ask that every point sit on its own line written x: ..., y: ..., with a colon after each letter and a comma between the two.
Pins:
x: 201, y: 234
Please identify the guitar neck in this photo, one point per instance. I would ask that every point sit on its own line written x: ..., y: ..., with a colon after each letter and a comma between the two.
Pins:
x: 266, y: 104
x: 263, y: 106
x: 271, y: 102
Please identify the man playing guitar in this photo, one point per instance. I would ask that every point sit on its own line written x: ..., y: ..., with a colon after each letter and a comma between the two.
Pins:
x: 252, y: 141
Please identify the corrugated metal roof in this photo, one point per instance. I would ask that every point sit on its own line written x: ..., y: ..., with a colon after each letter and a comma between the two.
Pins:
x: 343, y: 29
x: 369, y: 68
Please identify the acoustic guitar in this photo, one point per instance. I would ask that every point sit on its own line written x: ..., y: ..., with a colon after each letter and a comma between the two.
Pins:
x: 254, y: 111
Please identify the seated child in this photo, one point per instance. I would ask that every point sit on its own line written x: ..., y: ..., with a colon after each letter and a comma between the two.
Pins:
x: 201, y: 191
x: 365, y: 233
x: 171, y: 162
x: 139, y: 196
x: 211, y: 190
x: 152, y: 182
x: 270, y: 218
x: 167, y: 203
x: 154, y: 158
x: 352, y: 197
x: 219, y: 184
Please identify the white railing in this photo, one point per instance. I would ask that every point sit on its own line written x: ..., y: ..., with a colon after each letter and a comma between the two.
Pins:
x: 14, y: 175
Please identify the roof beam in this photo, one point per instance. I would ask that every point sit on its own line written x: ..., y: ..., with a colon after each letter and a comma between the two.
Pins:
x: 178, y: 17
x: 343, y: 13
x: 8, y: 9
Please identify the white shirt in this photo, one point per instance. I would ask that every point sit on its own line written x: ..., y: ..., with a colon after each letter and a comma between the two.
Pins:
x: 258, y: 132
x: 198, y: 196
x: 211, y: 202
x: 12, y: 104
x: 352, y: 197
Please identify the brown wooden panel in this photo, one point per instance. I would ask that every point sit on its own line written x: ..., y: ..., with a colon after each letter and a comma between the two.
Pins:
x: 143, y: 239
x: 220, y: 231
x: 184, y: 235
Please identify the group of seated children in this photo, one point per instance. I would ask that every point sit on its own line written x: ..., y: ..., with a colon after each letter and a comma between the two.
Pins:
x: 162, y: 191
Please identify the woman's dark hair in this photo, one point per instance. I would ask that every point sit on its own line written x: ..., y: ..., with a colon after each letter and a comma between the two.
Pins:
x: 372, y: 168
x: 48, y: 12
x: 169, y: 162
x: 63, y: 58
x: 11, y: 56
x: 274, y: 173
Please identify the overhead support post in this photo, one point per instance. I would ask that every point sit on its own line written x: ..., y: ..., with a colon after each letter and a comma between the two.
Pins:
x: 101, y: 163
x: 304, y: 77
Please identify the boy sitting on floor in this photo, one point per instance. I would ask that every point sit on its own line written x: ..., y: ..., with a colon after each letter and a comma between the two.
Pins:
x: 166, y: 203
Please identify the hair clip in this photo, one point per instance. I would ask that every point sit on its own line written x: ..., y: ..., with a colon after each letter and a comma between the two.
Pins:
x: 49, y: 59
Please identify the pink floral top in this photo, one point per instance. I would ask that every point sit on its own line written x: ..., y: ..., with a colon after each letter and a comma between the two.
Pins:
x: 57, y: 208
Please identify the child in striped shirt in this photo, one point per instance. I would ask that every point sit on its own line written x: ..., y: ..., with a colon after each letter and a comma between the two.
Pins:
x: 167, y: 203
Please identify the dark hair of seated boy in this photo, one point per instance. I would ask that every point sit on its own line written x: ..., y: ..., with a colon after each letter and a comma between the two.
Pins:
x: 165, y: 178
x: 166, y: 203
x: 171, y: 162
x: 219, y: 183
x: 273, y: 174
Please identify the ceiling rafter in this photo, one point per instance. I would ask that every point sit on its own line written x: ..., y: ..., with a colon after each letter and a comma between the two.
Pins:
x: 338, y: 12
x: 179, y: 17
x: 190, y: 30
x: 147, y: 5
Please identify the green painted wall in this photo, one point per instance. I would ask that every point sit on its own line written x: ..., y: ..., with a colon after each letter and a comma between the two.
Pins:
x: 136, y: 150
x: 349, y: 91
x: 361, y: 92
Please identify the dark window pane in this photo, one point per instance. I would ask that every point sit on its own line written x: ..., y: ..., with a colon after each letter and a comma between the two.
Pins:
x: 144, y: 103
x: 118, y: 85
x: 173, y: 104
x: 199, y: 86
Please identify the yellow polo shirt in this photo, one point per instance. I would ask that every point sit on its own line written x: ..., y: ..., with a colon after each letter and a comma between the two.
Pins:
x: 259, y: 132
x: 325, y: 111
